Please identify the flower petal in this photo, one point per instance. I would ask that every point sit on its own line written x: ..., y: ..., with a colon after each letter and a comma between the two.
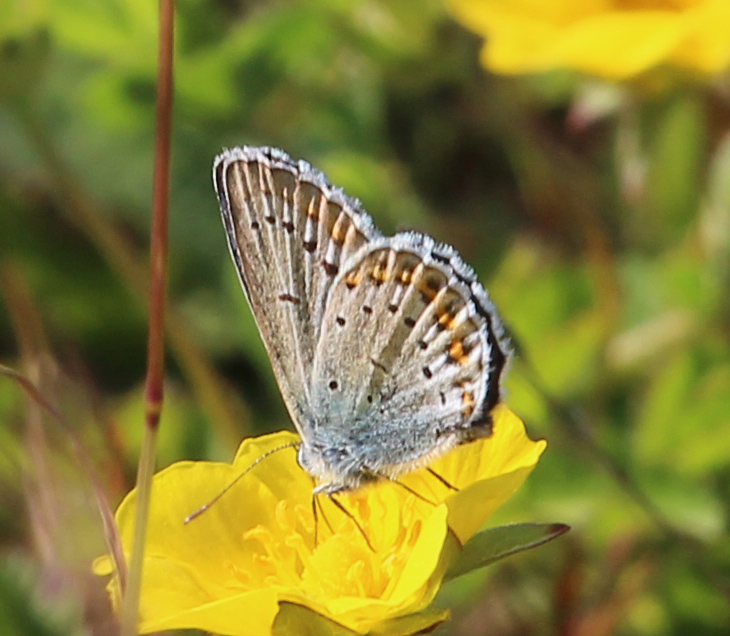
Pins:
x: 168, y: 605
x: 486, y: 472
x: 707, y: 46
x: 194, y: 570
x: 255, y: 549
x: 603, y: 39
x: 615, y: 45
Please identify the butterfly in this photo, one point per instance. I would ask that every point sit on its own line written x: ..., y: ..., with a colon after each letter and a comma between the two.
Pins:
x: 387, y: 350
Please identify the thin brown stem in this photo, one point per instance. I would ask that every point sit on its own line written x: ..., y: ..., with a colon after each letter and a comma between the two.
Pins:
x: 154, y: 385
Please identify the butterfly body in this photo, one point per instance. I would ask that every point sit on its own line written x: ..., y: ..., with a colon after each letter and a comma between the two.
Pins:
x: 387, y: 350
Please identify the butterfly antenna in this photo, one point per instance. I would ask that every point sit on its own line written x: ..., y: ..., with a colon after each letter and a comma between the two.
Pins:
x: 352, y: 518
x: 442, y: 480
x: 257, y: 461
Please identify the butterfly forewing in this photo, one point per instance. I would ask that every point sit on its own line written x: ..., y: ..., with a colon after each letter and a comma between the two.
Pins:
x: 290, y: 233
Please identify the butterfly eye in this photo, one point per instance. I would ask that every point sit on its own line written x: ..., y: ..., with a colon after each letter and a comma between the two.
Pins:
x: 333, y: 385
x: 334, y: 455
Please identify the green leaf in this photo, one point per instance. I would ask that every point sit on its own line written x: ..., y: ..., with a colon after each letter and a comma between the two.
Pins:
x: 297, y: 620
x: 494, y: 544
x: 419, y: 623
x: 23, y: 62
x: 677, y: 153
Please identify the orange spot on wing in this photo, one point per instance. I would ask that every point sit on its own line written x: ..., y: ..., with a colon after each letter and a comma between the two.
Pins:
x: 353, y: 278
x: 380, y: 273
x: 339, y: 229
x: 313, y: 209
x: 467, y: 403
x: 429, y: 286
x: 456, y: 351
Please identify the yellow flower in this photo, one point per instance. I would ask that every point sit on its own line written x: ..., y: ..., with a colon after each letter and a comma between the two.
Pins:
x: 613, y: 39
x: 232, y: 569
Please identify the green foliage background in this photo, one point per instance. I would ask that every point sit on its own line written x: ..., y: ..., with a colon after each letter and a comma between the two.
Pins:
x: 598, y: 218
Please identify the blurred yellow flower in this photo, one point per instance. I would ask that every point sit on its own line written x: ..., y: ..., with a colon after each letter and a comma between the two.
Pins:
x: 228, y: 571
x: 612, y: 39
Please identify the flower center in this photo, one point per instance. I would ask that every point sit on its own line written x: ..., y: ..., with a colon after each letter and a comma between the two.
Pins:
x: 283, y: 554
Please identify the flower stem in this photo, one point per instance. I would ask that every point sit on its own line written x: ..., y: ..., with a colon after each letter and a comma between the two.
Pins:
x: 154, y: 385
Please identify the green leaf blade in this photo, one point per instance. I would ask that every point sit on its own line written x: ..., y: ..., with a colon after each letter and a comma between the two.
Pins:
x: 494, y: 544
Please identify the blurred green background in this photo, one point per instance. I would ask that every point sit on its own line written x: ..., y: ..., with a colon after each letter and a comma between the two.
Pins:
x: 597, y: 216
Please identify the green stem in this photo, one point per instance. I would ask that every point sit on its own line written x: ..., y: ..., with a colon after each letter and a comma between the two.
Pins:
x: 145, y: 472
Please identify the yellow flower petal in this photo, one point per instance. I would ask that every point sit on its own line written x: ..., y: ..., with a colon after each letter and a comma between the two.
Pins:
x: 228, y: 570
x: 486, y: 472
x: 615, y: 40
x: 706, y: 46
x: 193, y: 572
x: 250, y: 613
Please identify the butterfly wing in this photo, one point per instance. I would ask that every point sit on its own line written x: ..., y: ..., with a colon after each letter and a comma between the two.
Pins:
x: 289, y: 232
x: 408, y: 363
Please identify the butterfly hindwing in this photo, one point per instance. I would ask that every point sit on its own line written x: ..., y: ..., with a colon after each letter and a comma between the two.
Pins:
x: 409, y: 358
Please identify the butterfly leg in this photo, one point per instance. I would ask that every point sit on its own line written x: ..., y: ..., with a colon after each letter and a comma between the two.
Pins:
x: 442, y: 480
x: 352, y: 518
x: 315, y: 514
x: 416, y: 494
x: 316, y: 510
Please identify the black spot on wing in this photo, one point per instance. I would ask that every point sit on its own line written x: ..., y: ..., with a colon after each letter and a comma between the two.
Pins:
x: 288, y: 298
